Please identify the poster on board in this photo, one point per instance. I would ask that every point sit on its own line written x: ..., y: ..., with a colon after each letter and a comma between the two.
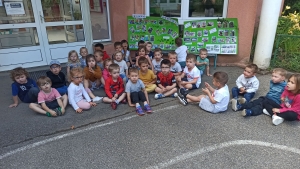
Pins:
x: 14, y: 8
x: 160, y: 31
x: 218, y: 36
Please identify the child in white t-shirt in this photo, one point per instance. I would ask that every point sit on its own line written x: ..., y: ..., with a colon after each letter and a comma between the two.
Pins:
x: 157, y: 60
x: 181, y: 51
x: 214, y: 100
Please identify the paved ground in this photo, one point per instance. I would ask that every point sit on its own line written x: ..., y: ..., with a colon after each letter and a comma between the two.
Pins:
x: 174, y: 136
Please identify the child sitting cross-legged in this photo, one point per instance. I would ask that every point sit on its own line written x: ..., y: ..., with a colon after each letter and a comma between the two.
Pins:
x: 146, y: 75
x: 137, y: 93
x: 214, y: 100
x: 114, y: 87
x: 166, y: 83
x: 51, y: 103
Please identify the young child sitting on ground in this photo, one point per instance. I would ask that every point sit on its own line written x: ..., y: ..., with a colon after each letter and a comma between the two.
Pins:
x: 190, y: 78
x: 83, y: 52
x: 255, y: 107
x: 23, y: 87
x: 203, y: 62
x: 166, y: 83
x: 114, y: 87
x: 118, y: 48
x: 105, y: 72
x: 57, y: 77
x: 142, y: 54
x: 214, y: 100
x: 137, y: 93
x: 99, y: 59
x: 78, y: 97
x: 289, y: 109
x: 50, y: 102
x: 157, y: 60
x: 100, y: 47
x: 247, y: 84
x: 146, y: 75
x: 123, y: 66
x: 175, y: 66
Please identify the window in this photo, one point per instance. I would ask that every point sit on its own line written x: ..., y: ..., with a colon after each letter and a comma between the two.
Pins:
x: 189, y: 10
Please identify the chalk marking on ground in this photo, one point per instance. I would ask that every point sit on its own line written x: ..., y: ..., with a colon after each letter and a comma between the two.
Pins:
x: 30, y: 146
x: 203, y: 150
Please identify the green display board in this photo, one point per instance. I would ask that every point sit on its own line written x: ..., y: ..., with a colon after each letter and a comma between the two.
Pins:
x: 160, y: 31
x: 218, y: 36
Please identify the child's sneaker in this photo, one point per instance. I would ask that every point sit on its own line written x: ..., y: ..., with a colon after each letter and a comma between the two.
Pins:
x: 124, y: 101
x: 246, y: 112
x: 158, y: 96
x: 113, y: 105
x: 182, y: 92
x: 147, y: 109
x: 139, y: 111
x: 236, y: 105
x: 183, y: 100
x: 97, y: 99
x: 265, y: 111
x: 242, y: 100
x: 276, y: 120
x: 174, y: 95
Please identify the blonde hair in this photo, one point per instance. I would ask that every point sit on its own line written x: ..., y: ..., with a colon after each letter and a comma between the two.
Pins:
x: 69, y: 55
x: 75, y: 71
x: 41, y: 81
x: 280, y: 71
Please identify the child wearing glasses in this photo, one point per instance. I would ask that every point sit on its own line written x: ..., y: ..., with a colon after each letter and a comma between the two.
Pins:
x: 50, y: 102
x: 166, y: 83
x: 57, y: 77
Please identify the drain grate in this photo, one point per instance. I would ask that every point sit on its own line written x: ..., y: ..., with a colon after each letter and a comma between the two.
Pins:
x: 35, y: 75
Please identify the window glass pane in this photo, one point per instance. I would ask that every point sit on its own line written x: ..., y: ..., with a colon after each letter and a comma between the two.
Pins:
x: 13, y: 12
x: 61, y: 10
x: 166, y: 8
x: 99, y: 19
x: 206, y: 8
x: 20, y: 37
x: 65, y: 34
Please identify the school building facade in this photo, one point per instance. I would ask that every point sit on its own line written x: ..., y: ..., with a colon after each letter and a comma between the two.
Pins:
x: 34, y: 32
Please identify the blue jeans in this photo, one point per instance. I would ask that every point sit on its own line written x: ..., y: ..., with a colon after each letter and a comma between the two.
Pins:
x: 236, y: 92
x: 201, y: 72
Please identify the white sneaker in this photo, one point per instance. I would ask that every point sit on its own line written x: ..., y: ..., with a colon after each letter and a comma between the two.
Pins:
x: 97, y: 99
x: 277, y: 120
x: 175, y: 95
x: 266, y: 112
x: 242, y: 100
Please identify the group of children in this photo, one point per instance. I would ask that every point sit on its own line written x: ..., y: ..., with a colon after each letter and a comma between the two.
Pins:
x: 129, y: 80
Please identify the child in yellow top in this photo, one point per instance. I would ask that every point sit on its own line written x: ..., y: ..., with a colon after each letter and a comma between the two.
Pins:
x: 146, y: 75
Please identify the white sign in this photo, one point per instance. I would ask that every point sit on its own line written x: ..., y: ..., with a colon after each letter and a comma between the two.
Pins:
x: 14, y: 8
x: 139, y: 16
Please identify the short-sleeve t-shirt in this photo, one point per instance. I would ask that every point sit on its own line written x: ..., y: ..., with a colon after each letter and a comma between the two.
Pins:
x: 156, y: 65
x: 151, y: 55
x: 134, y: 87
x: 205, y: 60
x: 181, y: 53
x: 123, y: 66
x: 82, y: 62
x: 221, y: 96
x: 22, y: 89
x: 165, y: 80
x: 176, y: 68
x: 191, y: 75
x: 48, y: 97
x: 148, y: 77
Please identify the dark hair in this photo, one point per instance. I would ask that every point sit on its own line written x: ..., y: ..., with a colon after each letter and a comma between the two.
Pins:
x: 125, y: 41
x: 141, y: 41
x: 142, y: 47
x: 42, y: 79
x: 113, y: 66
x: 297, y: 81
x: 178, y: 41
x: 157, y: 50
x: 191, y: 56
x: 221, y: 77
x: 117, y: 44
x: 165, y: 62
x: 143, y: 60
x: 99, y: 45
x: 88, y: 57
x: 18, y: 72
x: 133, y: 69
x: 253, y: 67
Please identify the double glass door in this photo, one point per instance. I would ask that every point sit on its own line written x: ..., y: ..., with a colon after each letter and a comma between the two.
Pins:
x: 34, y: 32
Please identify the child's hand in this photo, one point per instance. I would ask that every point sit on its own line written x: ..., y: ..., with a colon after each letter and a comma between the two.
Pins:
x: 183, y: 82
x: 275, y: 110
x: 167, y: 88
x: 207, y: 85
x: 242, y: 90
x: 53, y: 113
x: 205, y: 90
x: 93, y: 104
x: 79, y: 110
x: 116, y: 95
x: 132, y: 105
x: 113, y: 99
x: 13, y: 105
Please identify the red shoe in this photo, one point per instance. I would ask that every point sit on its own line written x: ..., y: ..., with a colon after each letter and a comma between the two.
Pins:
x: 113, y: 105
x: 124, y: 101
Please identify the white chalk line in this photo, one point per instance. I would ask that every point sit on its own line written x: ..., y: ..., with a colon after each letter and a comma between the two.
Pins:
x: 30, y: 146
x: 203, y: 150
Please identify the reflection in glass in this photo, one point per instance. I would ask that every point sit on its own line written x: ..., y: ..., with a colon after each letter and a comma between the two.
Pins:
x: 65, y: 34
x: 99, y: 19
x: 61, y: 10
x: 23, y: 14
x: 206, y: 8
x: 170, y: 8
x: 20, y: 37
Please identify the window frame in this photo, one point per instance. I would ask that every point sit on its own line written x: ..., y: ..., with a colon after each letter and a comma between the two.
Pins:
x: 184, y: 14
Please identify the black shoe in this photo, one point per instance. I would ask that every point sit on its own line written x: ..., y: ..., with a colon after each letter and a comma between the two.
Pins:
x: 58, y: 111
x: 182, y: 92
x: 183, y: 100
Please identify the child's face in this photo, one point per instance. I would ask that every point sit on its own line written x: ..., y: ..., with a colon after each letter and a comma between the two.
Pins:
x: 203, y: 54
x: 83, y: 52
x: 172, y: 59
x: 98, y: 48
x: 107, y: 65
x: 91, y: 62
x: 142, y: 52
x: 216, y: 83
x: 115, y: 73
x: 21, y: 79
x: 277, y: 78
x: 124, y: 46
x: 144, y: 67
x: 77, y: 78
x: 98, y: 58
x: 148, y: 47
x: 73, y: 57
x: 118, y: 48
x: 190, y: 63
x: 165, y: 69
x: 157, y: 56
x: 55, y: 69
x: 134, y: 77
x: 248, y: 72
x: 118, y: 57
x: 46, y: 87
x: 291, y: 85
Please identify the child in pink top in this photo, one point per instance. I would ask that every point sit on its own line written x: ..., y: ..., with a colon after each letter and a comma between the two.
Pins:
x: 105, y: 72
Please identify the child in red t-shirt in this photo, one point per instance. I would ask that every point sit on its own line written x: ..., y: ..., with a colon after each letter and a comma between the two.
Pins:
x: 114, y: 87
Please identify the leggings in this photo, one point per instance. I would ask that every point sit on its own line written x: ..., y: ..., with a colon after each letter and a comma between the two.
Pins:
x: 83, y: 104
x: 287, y: 115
